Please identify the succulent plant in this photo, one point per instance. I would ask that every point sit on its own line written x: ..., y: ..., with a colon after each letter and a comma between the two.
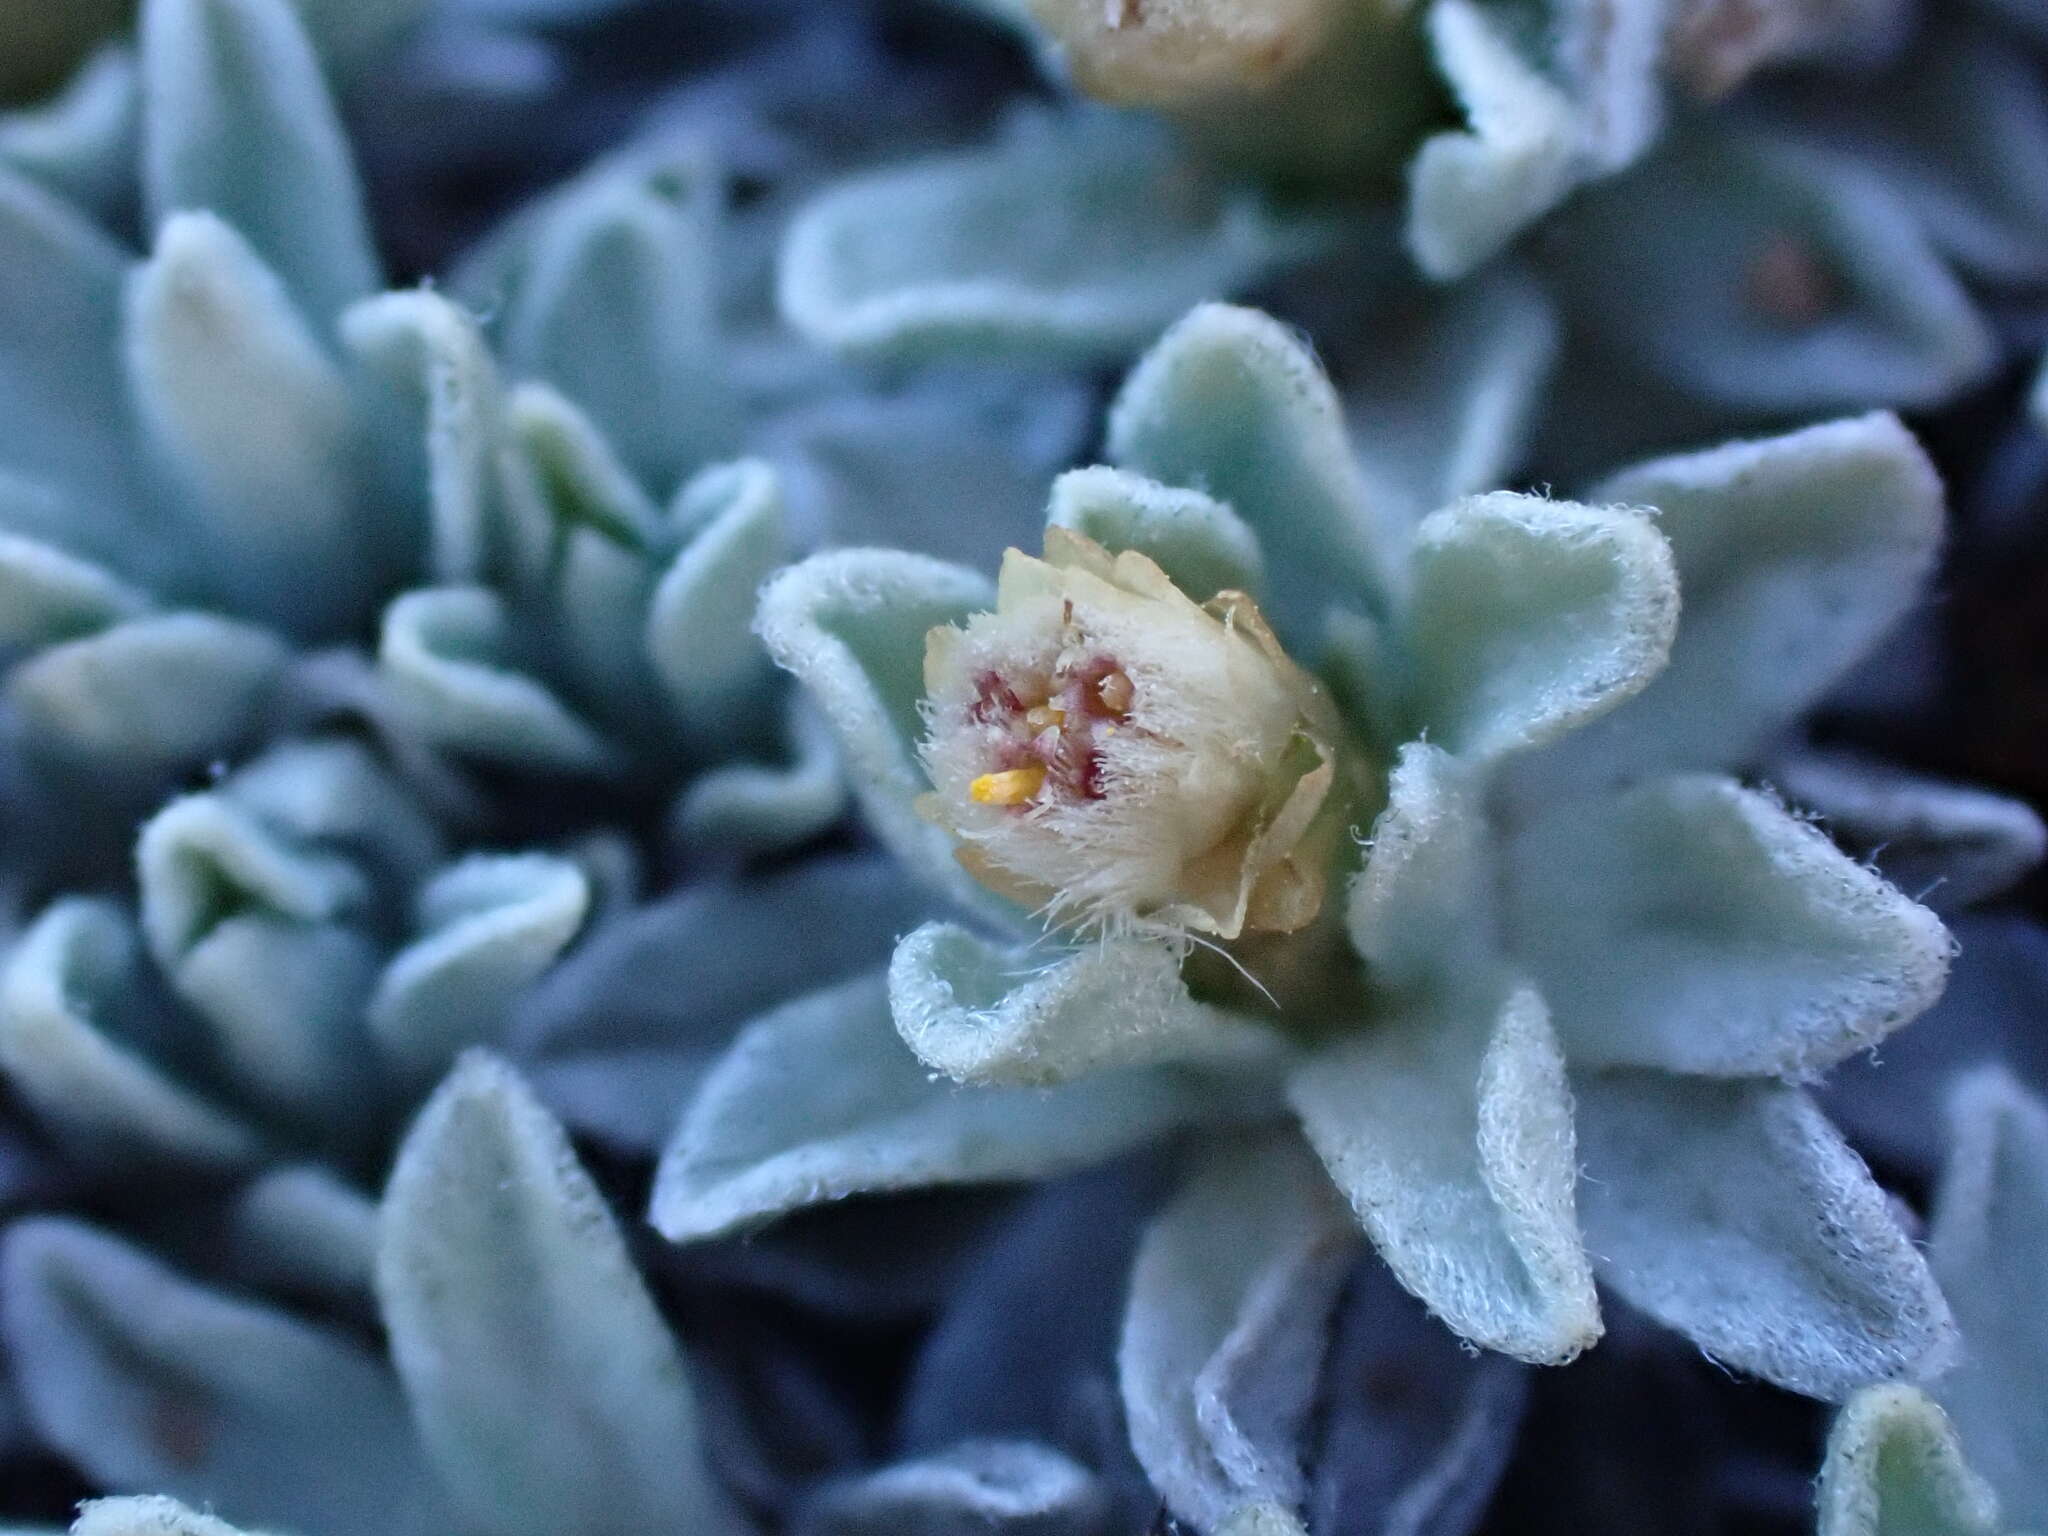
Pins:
x: 1561, y: 934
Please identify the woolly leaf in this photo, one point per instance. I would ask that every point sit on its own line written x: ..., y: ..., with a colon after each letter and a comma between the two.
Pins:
x: 1224, y: 1332
x: 1989, y: 1238
x: 820, y: 1100
x: 48, y: 597
x: 1529, y: 617
x: 1448, y: 1126
x: 745, y: 807
x: 1076, y: 236
x: 1894, y: 1469
x: 1202, y: 545
x: 1230, y: 403
x: 81, y: 143
x: 300, y: 1228
x: 1734, y: 1213
x: 73, y: 1016
x: 983, y: 1014
x: 145, y: 1516
x: 549, y: 1392
x: 237, y: 121
x: 1697, y: 926
x: 1418, y: 911
x: 488, y: 926
x: 145, y: 1379
x: 997, y: 1487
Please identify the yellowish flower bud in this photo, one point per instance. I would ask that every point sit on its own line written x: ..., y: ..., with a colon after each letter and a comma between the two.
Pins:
x: 1123, y: 758
x: 1171, y: 52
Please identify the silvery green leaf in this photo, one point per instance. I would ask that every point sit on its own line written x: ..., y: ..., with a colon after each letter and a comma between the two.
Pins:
x: 144, y: 1379
x: 81, y: 144
x: 1770, y: 275
x: 993, y: 1015
x: 699, y: 633
x: 617, y: 307
x: 820, y: 1100
x: 976, y: 1488
x: 547, y: 1388
x: 618, y: 1035
x: 1552, y: 94
x: 1894, y: 1469
x: 1199, y: 542
x: 1448, y: 1126
x: 1953, y: 844
x: 1226, y: 1326
x: 565, y: 478
x: 1795, y: 554
x: 433, y: 350
x: 150, y: 697
x: 1528, y: 617
x: 48, y: 596
x: 264, y: 936
x: 747, y: 807
x: 1077, y: 235
x: 1734, y: 1213
x: 73, y: 1025
x: 851, y: 625
x: 1416, y: 1428
x: 1989, y: 1238
x: 1693, y: 925
x: 236, y: 120
x: 487, y: 927
x: 337, y: 793
x: 63, y: 417
x: 1960, y: 129
x: 301, y: 1229
x: 250, y: 414
x: 150, y: 1515
x: 448, y: 655
x: 1231, y: 403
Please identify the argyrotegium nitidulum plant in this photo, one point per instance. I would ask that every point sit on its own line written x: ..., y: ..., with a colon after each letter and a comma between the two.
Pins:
x: 1559, y: 936
x: 1963, y: 1456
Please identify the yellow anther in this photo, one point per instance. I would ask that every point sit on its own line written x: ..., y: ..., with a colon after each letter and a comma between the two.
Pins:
x: 1012, y: 787
x: 1044, y: 718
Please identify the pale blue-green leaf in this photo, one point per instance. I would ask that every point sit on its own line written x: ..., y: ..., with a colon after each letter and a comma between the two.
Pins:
x: 989, y: 1014
x: 448, y: 655
x: 70, y: 1005
x: 263, y: 936
x: 547, y: 1388
x: 1894, y: 1468
x: 1420, y: 912
x: 564, y: 476
x: 1734, y: 1213
x: 1795, y: 554
x: 1552, y: 95
x: 248, y: 412
x: 1367, y: 677
x: 1226, y: 1326
x: 236, y: 120
x: 1988, y: 1243
x: 1951, y: 845
x: 851, y: 625
x: 144, y: 1379
x: 1448, y: 1126
x: 152, y: 696
x: 617, y: 308
x: 335, y: 791
x: 976, y: 1488
x: 1233, y: 404
x: 1201, y: 544
x: 63, y: 411
x: 821, y: 1100
x: 1770, y: 275
x: 81, y: 143
x: 147, y: 1515
x: 699, y: 633
x: 488, y: 927
x: 1697, y: 926
x: 48, y: 597
x: 618, y: 1035
x: 300, y: 1229
x: 352, y: 33
x: 432, y: 350
x: 1529, y: 617
x: 743, y: 808
x: 1076, y: 236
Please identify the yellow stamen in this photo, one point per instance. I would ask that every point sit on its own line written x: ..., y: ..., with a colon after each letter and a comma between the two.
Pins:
x: 1044, y: 718
x: 1013, y: 787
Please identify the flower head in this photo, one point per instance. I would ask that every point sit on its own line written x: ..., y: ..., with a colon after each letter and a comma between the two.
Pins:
x: 1111, y: 750
x: 1167, y: 52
